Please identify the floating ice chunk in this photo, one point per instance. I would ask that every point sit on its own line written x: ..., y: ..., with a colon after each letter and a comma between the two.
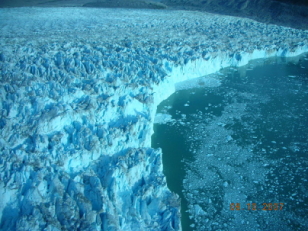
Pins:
x: 204, y: 81
x: 162, y: 118
x: 221, y: 124
x: 186, y: 105
x: 229, y: 138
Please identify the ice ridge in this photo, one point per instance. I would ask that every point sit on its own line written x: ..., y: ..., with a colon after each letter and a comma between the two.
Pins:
x: 79, y: 90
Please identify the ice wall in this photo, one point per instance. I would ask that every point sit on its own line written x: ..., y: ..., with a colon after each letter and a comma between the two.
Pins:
x: 79, y: 90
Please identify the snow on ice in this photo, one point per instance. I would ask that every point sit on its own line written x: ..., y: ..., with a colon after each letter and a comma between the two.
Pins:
x: 79, y: 90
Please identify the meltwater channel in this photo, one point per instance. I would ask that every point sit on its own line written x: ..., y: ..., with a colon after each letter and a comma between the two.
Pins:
x: 237, y: 154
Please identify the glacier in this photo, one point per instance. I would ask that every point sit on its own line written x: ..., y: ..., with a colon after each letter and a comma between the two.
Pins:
x: 79, y: 90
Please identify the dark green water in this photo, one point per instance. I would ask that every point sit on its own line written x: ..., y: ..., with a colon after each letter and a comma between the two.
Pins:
x: 244, y: 142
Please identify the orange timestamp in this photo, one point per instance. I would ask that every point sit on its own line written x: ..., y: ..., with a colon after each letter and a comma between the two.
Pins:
x: 254, y: 206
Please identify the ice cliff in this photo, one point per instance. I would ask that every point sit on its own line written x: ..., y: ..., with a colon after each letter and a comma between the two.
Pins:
x: 79, y: 90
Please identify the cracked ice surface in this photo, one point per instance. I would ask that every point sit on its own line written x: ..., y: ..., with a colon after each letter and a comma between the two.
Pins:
x: 79, y: 90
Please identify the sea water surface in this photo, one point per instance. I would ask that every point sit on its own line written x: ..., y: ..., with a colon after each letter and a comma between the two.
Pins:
x: 237, y: 153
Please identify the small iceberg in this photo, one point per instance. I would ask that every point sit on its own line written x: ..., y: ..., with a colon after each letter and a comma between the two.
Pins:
x: 161, y: 118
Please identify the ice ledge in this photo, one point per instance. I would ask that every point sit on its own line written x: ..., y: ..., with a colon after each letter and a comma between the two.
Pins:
x: 202, y: 67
